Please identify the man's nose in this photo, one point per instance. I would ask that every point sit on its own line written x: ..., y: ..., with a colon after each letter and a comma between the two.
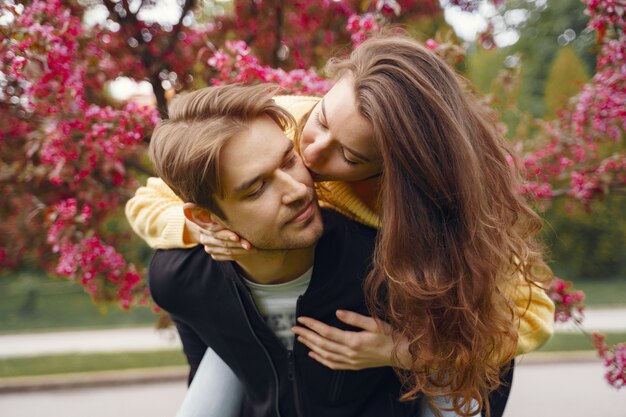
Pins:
x: 294, y: 189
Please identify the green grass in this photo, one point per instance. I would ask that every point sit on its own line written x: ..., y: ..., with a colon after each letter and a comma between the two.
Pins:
x: 31, y: 301
x: 609, y: 293
x: 563, y: 342
x: 70, y: 363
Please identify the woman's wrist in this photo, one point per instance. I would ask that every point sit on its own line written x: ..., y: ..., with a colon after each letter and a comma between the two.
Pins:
x: 402, y: 358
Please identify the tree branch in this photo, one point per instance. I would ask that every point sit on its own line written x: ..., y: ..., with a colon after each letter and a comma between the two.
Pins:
x: 189, y: 4
x: 110, y: 6
x: 254, y: 12
x: 279, y: 32
x: 149, y: 60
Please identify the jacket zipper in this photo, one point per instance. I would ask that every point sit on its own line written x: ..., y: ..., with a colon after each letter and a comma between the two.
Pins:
x: 291, y: 361
x: 292, y: 370
x: 291, y: 367
x: 267, y: 354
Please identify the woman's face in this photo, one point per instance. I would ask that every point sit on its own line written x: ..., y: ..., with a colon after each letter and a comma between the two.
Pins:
x: 337, y: 142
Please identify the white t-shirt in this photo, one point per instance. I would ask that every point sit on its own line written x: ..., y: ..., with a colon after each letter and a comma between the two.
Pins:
x: 277, y: 304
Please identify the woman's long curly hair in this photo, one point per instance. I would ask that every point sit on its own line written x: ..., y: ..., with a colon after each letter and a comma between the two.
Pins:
x: 455, y: 230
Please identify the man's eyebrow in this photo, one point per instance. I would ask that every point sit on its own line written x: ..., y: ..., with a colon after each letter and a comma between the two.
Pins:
x: 247, y: 184
x: 352, y: 151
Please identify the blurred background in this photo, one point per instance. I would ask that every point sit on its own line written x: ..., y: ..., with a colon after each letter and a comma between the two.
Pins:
x: 82, y: 83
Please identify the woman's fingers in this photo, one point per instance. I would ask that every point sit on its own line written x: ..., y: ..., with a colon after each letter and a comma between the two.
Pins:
x: 209, y: 240
x: 329, y: 332
x: 313, y: 339
x: 343, y: 349
x: 326, y: 354
x: 336, y: 366
x: 358, y: 320
x: 226, y: 235
x: 222, y: 247
x: 222, y: 258
x: 219, y: 233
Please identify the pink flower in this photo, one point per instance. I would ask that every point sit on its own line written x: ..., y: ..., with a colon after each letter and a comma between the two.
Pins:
x: 432, y: 44
x: 218, y: 60
x: 361, y: 26
x: 568, y: 303
x: 614, y: 360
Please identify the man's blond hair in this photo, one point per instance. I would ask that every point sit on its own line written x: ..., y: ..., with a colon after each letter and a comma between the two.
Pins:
x: 185, y: 148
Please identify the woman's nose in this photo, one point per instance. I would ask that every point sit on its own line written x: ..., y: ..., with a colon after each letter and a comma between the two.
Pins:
x: 316, y: 152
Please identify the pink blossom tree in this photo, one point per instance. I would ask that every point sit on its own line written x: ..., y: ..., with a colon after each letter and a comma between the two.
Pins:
x: 71, y: 154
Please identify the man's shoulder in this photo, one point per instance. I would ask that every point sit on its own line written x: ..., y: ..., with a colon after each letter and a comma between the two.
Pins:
x: 345, y: 238
x: 178, y: 273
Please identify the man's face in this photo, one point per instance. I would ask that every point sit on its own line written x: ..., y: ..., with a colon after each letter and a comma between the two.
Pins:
x: 269, y: 197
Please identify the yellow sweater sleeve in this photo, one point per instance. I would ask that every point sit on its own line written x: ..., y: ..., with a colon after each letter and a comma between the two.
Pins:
x: 155, y: 213
x: 534, y: 310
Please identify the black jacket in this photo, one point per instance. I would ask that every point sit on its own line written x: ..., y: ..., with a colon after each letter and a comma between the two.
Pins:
x: 212, y: 307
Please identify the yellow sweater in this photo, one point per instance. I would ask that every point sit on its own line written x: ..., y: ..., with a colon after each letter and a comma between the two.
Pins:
x: 155, y: 214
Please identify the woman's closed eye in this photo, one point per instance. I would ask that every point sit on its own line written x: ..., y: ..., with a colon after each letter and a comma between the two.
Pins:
x: 342, y: 153
x: 318, y: 121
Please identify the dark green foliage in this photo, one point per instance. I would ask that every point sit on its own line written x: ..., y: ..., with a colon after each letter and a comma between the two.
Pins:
x: 588, y: 245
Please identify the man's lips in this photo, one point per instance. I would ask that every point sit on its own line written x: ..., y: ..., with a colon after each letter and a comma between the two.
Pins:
x: 303, y: 214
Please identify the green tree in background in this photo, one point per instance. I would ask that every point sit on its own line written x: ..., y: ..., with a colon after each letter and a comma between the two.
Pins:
x: 566, y: 77
x: 549, y: 26
x: 483, y: 67
x: 583, y: 243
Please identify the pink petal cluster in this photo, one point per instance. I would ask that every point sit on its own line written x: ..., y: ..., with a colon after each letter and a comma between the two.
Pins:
x: 94, y: 264
x: 614, y: 360
x: 360, y: 26
x: 236, y: 63
x: 568, y: 302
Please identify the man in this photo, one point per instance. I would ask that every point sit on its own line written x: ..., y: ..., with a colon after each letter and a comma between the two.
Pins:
x: 224, y: 152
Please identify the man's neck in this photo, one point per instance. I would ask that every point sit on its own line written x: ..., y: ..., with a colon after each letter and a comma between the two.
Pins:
x: 277, y: 267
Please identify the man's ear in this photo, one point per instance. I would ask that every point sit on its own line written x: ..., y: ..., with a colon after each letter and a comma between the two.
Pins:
x: 200, y: 216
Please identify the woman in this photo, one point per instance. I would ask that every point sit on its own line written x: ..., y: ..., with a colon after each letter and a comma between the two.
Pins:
x: 456, y: 263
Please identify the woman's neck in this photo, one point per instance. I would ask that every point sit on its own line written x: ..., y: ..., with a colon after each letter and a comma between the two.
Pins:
x: 368, y: 191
